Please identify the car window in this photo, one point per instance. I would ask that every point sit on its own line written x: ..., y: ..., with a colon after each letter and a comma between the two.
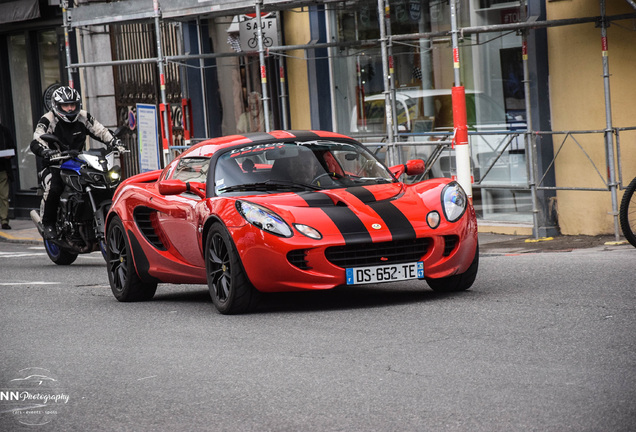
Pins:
x: 192, y: 169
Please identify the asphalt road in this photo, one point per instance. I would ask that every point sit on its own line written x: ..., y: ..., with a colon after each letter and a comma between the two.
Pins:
x: 542, y: 342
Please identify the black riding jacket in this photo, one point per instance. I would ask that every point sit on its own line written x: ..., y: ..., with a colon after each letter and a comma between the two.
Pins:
x: 72, y: 135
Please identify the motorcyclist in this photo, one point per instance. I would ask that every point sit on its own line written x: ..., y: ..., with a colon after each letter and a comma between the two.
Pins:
x: 70, y: 124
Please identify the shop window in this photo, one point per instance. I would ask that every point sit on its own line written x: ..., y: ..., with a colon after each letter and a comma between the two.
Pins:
x: 422, y: 81
x: 23, y: 114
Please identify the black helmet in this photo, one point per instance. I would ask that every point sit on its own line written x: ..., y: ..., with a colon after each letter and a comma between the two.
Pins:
x: 66, y: 95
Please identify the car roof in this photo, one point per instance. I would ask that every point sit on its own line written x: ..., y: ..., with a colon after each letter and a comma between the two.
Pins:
x: 209, y: 147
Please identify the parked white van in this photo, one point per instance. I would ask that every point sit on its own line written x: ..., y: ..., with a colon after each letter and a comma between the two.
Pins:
x: 421, y: 113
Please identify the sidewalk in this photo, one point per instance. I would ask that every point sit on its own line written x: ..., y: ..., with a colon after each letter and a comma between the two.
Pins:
x: 23, y: 231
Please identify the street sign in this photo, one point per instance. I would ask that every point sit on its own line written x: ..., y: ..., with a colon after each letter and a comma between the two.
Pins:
x: 147, y: 136
x: 248, y: 32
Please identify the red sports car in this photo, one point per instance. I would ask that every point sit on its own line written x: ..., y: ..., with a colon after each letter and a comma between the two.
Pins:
x: 286, y: 211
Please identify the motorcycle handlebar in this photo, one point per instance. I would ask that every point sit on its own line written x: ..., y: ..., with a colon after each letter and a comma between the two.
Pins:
x: 68, y: 154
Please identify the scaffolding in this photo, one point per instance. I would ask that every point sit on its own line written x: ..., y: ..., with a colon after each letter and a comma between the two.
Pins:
x: 185, y: 9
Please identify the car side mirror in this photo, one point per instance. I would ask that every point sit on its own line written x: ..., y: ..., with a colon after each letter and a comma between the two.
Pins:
x: 177, y: 187
x: 415, y: 167
x: 412, y: 167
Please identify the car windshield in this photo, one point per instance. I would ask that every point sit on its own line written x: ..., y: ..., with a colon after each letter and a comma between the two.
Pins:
x: 307, y: 165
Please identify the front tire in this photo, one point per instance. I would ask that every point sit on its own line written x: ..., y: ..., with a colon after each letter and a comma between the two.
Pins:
x: 627, y: 213
x: 460, y: 282
x: 230, y: 289
x: 58, y: 255
x: 124, y: 281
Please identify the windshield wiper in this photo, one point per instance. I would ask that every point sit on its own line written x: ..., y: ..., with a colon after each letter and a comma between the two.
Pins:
x: 377, y: 180
x: 268, y: 185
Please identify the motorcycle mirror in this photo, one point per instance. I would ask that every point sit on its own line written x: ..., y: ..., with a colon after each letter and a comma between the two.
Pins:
x: 50, y: 138
x: 121, y: 130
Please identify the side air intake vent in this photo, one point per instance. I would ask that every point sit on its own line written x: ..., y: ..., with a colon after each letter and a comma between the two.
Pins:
x: 146, y: 220
x: 450, y: 241
x: 298, y: 258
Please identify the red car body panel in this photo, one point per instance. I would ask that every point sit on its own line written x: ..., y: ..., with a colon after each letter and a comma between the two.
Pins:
x: 167, y: 233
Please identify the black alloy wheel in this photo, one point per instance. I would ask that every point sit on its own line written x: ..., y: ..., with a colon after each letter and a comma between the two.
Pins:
x: 230, y: 289
x: 124, y: 281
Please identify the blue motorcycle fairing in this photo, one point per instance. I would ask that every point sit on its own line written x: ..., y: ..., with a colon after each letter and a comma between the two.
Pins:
x: 73, y: 165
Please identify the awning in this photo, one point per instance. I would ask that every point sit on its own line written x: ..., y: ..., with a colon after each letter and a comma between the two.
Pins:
x: 19, y: 10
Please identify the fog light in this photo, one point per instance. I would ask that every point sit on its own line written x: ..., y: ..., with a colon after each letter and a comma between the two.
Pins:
x: 433, y: 219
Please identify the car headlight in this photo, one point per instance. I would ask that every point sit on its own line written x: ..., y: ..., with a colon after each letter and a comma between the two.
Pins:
x: 263, y: 218
x: 454, y: 201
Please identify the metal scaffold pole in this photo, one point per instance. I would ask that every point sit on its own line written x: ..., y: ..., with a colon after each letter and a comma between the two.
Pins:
x: 162, y: 80
x: 281, y: 78
x: 66, y: 22
x: 204, y: 107
x: 261, y: 59
x: 609, y: 129
x: 384, y: 14
x: 462, y: 149
x: 530, y: 138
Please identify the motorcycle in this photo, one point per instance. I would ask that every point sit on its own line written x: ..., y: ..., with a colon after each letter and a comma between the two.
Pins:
x: 90, y: 179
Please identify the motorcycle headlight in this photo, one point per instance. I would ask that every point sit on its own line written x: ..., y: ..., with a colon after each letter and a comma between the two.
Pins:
x: 114, y: 175
x: 454, y: 201
x: 263, y: 218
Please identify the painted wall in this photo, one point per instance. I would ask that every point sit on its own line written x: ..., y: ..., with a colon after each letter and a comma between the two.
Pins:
x: 297, y: 32
x: 578, y: 103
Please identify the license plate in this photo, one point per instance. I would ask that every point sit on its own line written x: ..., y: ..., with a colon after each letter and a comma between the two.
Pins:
x: 385, y: 273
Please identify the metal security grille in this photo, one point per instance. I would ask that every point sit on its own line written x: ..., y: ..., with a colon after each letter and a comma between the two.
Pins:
x: 138, y: 82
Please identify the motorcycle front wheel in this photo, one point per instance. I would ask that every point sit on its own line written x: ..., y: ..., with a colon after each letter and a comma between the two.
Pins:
x: 58, y: 255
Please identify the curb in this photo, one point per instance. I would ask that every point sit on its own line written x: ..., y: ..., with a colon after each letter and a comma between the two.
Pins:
x: 8, y: 238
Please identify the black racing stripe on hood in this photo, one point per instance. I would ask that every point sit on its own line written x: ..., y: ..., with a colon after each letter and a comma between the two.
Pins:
x: 315, y: 199
x: 397, y: 223
x: 364, y: 195
x: 348, y: 223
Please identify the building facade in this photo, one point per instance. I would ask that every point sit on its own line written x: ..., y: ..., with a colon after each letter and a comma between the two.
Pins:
x: 330, y: 66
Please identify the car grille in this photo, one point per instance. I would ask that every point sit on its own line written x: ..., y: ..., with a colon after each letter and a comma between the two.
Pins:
x: 369, y: 254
